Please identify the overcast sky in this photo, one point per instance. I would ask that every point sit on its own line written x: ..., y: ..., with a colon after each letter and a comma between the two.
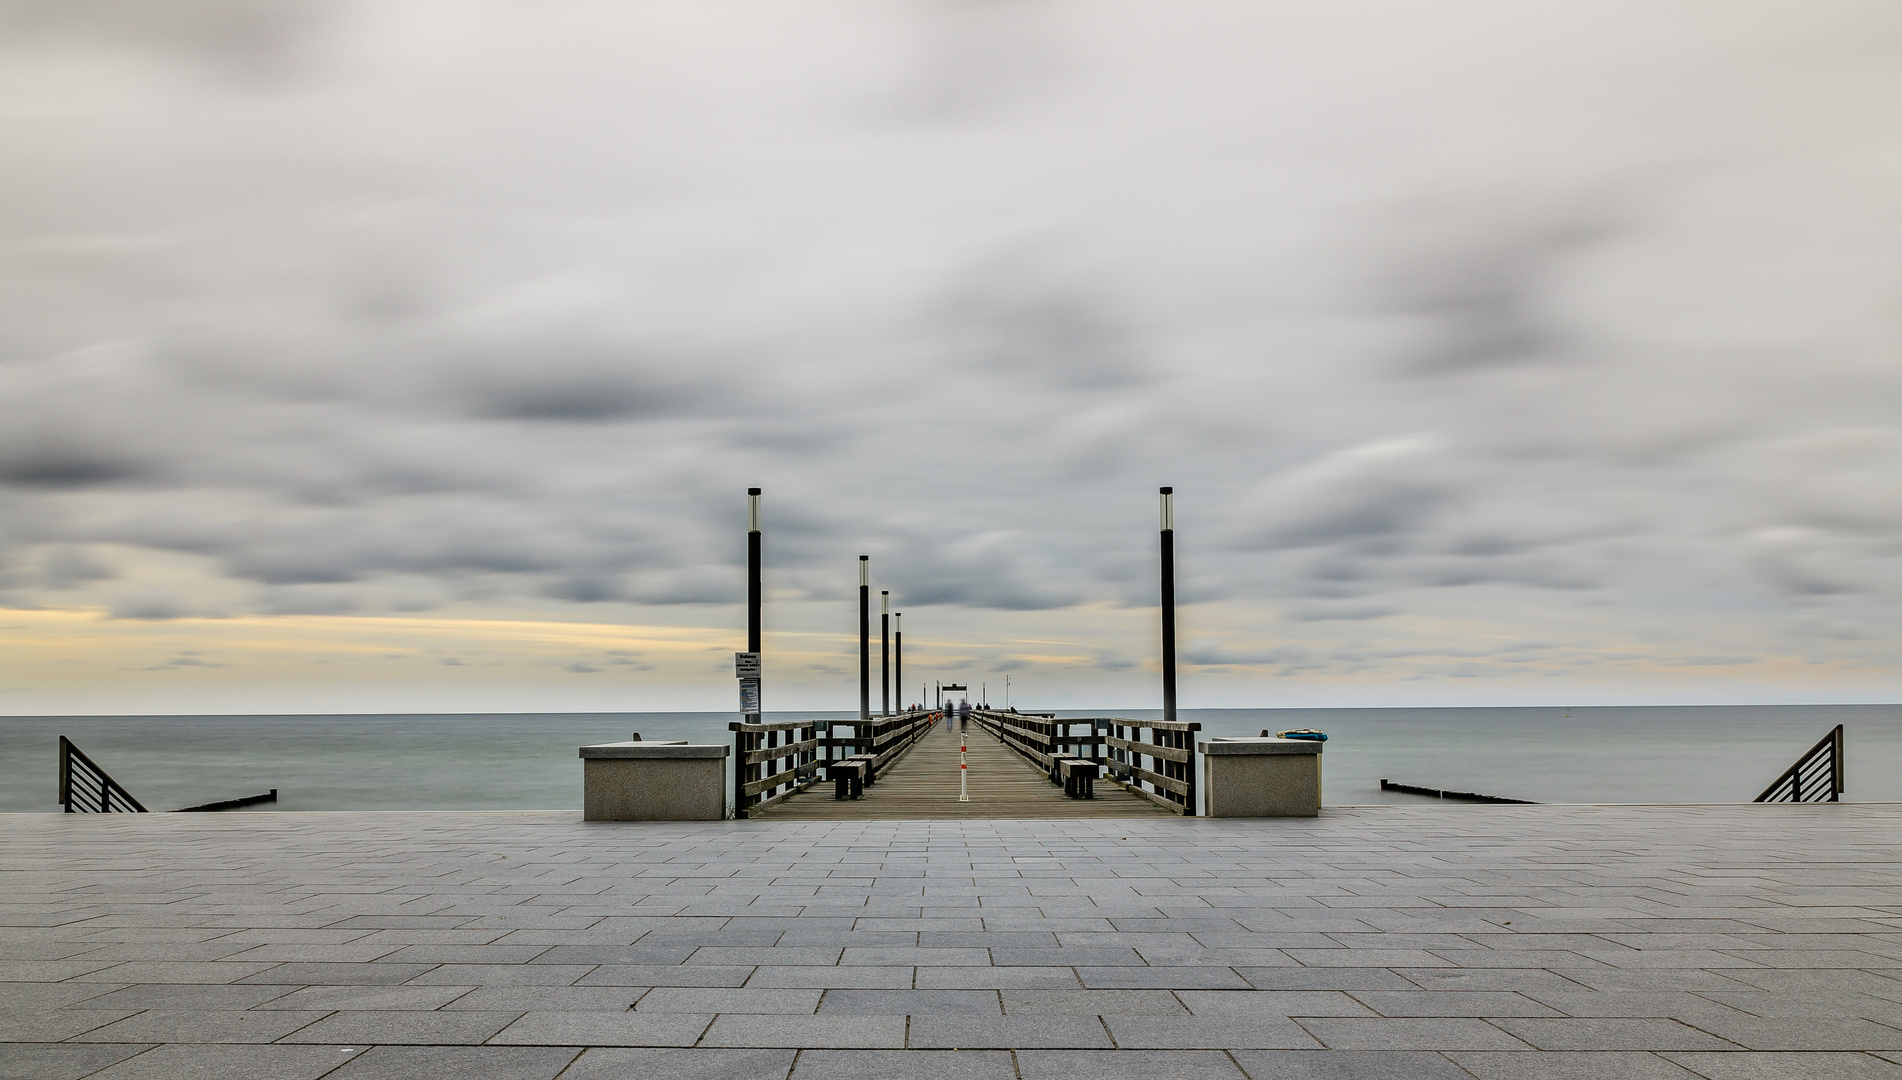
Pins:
x: 417, y: 356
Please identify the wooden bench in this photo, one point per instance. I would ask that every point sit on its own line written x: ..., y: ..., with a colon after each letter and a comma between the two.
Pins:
x: 1079, y: 776
x: 848, y: 776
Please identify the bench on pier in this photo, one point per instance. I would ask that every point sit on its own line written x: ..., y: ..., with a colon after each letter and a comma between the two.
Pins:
x: 1078, y: 776
x: 850, y: 775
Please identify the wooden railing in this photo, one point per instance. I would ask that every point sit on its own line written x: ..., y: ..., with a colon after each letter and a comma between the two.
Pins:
x: 1817, y: 776
x: 84, y: 787
x: 1168, y: 778
x: 885, y: 737
x: 1040, y: 738
x: 772, y: 761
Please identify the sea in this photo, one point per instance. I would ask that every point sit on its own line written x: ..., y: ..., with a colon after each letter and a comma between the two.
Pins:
x: 529, y: 761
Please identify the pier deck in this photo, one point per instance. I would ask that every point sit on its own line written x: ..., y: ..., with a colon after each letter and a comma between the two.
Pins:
x: 1430, y: 942
x: 924, y: 784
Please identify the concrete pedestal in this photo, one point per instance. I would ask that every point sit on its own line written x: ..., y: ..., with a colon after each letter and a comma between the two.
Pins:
x: 653, y: 781
x: 1262, y: 777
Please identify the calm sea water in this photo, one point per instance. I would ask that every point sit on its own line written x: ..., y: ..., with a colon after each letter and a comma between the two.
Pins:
x: 529, y: 761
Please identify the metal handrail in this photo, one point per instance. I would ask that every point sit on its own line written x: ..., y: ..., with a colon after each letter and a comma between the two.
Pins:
x: 85, y: 788
x: 1817, y: 776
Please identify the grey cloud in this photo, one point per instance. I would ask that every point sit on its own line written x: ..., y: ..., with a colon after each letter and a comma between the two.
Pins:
x: 1371, y: 492
x: 69, y: 565
x: 244, y: 38
x: 154, y: 606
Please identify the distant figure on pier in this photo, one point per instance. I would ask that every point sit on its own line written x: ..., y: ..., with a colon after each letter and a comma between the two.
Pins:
x: 964, y: 714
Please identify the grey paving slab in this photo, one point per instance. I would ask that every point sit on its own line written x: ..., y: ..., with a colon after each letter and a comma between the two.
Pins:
x: 455, y: 1063
x: 905, y: 1065
x: 1818, y: 1066
x: 909, y: 1002
x: 996, y: 978
x: 59, y: 1061
x: 1092, y: 1003
x: 682, y: 999
x: 680, y: 1064
x: 1611, y: 1033
x: 642, y: 975
x: 1127, y: 1065
x: 202, y: 1026
x: 1348, y: 1065
x: 1007, y: 1032
x: 185, y: 1061
x: 1258, y: 1003
x: 831, y: 978
x: 54, y: 1025
x: 437, y: 1028
x: 837, y: 1032
x: 1209, y: 1033
x: 522, y: 999
x: 1583, y: 1065
x: 578, y: 1028
x: 1447, y: 1033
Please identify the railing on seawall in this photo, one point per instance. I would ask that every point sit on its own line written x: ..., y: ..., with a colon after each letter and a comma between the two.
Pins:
x: 84, y: 787
x: 771, y: 761
x: 1817, y: 776
x: 1040, y: 738
x: 1168, y: 778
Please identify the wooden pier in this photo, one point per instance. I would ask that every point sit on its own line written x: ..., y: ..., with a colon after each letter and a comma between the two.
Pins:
x: 923, y: 783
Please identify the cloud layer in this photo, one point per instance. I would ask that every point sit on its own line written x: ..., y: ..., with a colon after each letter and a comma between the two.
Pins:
x: 1574, y: 325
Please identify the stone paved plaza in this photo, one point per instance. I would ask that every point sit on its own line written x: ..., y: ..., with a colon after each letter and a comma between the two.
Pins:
x: 1438, y: 941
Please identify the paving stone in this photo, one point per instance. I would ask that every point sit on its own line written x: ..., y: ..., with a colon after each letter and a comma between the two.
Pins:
x: 500, y: 974
x: 1262, y: 1003
x: 1453, y: 1003
x: 908, y: 1002
x: 327, y: 975
x: 838, y: 1032
x: 677, y: 1064
x: 1126, y: 1065
x: 681, y: 999
x: 1824, y: 1066
x: 1092, y: 1003
x: 1173, y: 978
x: 185, y: 1061
x: 682, y: 975
x: 831, y: 978
x: 1586, y: 1065
x: 1210, y: 1033
x: 901, y: 1065
x: 996, y: 978
x: 54, y: 1025
x: 1611, y: 1033
x: 522, y: 999
x: 439, y: 1028
x: 1006, y: 1032
x: 453, y: 1063
x: 59, y: 1061
x: 202, y: 1026
x: 1348, y: 1065
x: 578, y: 1028
x: 365, y: 997
x: 1354, y: 1033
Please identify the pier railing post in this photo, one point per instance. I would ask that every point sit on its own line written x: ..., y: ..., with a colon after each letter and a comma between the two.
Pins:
x: 865, y: 639
x: 1169, y: 605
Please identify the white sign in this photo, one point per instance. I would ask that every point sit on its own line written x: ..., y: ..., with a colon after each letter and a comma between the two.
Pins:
x: 746, y: 665
x: 749, y: 697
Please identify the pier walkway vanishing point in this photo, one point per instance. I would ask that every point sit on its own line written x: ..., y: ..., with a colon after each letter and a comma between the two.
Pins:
x: 1430, y: 942
x: 924, y: 784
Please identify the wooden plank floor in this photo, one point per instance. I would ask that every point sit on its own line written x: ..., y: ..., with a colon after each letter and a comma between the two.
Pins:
x: 924, y: 784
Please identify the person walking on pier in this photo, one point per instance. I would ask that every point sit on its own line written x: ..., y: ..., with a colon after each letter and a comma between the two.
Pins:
x: 964, y: 714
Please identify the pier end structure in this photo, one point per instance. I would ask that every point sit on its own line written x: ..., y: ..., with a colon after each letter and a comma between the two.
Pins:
x: 1261, y: 777
x: 653, y: 781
